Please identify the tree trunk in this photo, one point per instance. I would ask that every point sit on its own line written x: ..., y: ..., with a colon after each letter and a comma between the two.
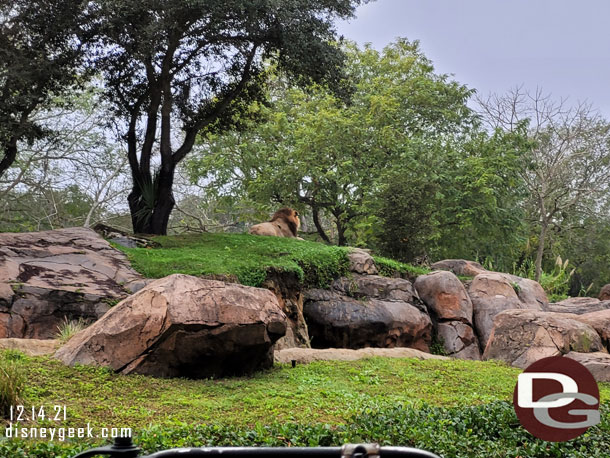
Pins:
x: 540, y: 252
x: 10, y: 154
x: 342, y: 241
x: 164, y: 202
x: 316, y: 221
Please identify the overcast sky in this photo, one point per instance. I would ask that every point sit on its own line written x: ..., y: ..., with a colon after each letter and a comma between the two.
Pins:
x: 562, y: 46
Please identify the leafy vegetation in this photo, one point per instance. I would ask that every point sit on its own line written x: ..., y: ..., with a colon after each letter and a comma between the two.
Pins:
x: 68, y: 328
x: 250, y: 258
x: 12, y: 380
x: 434, y: 404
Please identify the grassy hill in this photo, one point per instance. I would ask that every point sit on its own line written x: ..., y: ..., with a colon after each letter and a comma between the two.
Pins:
x: 454, y: 408
x: 249, y: 258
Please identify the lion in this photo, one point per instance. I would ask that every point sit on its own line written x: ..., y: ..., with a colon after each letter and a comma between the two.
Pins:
x: 284, y: 223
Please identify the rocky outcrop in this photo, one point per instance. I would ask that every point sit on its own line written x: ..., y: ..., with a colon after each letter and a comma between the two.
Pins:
x: 600, y: 321
x: 598, y: 363
x: 288, y: 291
x: 451, y: 310
x: 361, y: 262
x: 309, y: 355
x: 604, y: 294
x: 460, y: 267
x: 493, y: 292
x: 183, y: 326
x: 521, y: 337
x: 47, y: 277
x: 31, y: 347
x: 578, y: 305
x: 367, y: 311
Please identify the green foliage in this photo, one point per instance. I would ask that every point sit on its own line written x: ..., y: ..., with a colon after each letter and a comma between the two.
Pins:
x: 40, y: 57
x: 68, y: 328
x: 555, y: 283
x: 12, y: 381
x: 433, y: 404
x: 251, y: 258
x: 318, y: 151
x: 391, y: 268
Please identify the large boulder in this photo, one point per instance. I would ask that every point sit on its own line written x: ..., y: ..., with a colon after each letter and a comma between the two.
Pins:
x: 50, y: 276
x: 183, y: 326
x: 445, y: 296
x: 521, y: 337
x: 460, y: 267
x: 578, y: 305
x: 604, y: 294
x: 494, y: 292
x: 361, y: 262
x: 598, y: 364
x: 346, y: 318
x: 600, y: 321
x: 449, y: 304
x: 375, y: 286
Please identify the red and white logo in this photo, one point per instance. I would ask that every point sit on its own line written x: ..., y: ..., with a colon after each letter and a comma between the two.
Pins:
x: 556, y: 399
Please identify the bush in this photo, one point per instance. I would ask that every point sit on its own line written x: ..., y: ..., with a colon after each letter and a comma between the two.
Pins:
x: 12, y: 381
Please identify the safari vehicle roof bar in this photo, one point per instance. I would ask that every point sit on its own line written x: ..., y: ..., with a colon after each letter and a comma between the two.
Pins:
x: 123, y: 447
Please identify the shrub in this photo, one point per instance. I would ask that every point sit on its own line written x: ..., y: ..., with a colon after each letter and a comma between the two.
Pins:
x: 68, y: 328
x: 12, y: 381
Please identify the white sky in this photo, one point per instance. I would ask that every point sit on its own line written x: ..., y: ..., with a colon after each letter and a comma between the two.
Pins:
x: 562, y: 46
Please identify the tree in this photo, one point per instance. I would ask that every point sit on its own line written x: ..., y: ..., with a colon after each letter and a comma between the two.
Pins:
x: 174, y: 69
x: 567, y: 165
x: 41, y: 52
x: 80, y: 164
x: 327, y: 154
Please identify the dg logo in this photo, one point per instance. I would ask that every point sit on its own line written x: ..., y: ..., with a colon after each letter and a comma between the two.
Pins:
x: 556, y: 399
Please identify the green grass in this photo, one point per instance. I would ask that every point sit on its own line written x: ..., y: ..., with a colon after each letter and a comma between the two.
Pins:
x: 391, y: 268
x: 452, y: 407
x: 248, y: 257
x: 318, y: 392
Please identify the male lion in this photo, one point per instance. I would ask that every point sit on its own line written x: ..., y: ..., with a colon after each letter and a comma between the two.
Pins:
x: 284, y: 223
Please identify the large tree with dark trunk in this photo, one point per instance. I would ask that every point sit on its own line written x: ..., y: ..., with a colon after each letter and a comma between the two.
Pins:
x: 41, y: 51
x: 175, y: 69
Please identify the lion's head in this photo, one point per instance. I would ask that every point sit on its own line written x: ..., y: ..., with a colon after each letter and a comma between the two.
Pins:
x: 290, y: 216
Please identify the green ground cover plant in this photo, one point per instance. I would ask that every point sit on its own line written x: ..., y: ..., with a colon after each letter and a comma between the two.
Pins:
x: 250, y: 258
x: 452, y: 407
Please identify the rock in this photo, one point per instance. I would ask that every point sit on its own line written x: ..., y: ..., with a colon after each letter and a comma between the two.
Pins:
x: 337, y: 320
x: 46, y: 277
x: 309, y: 355
x: 460, y: 267
x: 521, y: 337
x: 459, y: 340
x: 287, y: 289
x: 375, y: 286
x: 604, y: 294
x: 124, y: 238
x: 445, y: 296
x: 493, y: 292
x: 31, y: 347
x: 528, y: 291
x: 451, y: 309
x: 361, y: 262
x: 578, y: 305
x: 600, y: 321
x: 183, y: 326
x: 598, y: 363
